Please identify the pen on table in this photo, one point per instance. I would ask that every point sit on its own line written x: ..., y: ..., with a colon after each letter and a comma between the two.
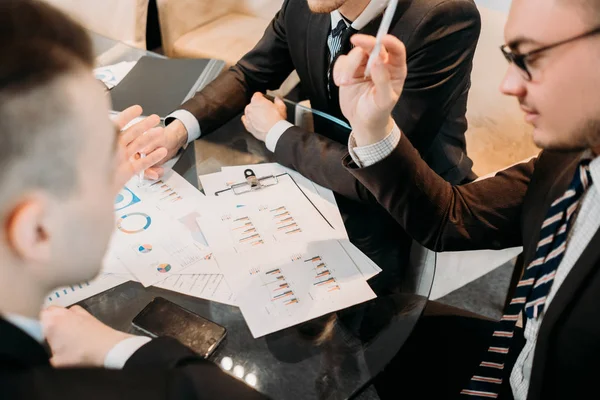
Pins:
x: 384, y: 27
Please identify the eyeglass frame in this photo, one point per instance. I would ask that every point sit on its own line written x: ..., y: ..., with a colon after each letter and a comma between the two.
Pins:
x: 520, y: 60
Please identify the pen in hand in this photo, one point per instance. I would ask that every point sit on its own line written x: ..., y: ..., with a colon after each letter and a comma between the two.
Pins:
x: 141, y: 174
x: 384, y: 27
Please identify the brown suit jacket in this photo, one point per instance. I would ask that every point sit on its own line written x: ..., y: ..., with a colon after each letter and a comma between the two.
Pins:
x: 504, y: 211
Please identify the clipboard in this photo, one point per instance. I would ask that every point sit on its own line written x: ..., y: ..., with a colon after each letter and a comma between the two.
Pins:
x: 253, y: 183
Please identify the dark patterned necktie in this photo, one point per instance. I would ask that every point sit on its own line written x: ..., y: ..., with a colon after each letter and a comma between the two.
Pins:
x: 533, y: 289
x: 338, y: 44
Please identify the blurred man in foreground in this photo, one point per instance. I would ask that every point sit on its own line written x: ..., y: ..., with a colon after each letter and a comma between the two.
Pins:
x: 63, y: 163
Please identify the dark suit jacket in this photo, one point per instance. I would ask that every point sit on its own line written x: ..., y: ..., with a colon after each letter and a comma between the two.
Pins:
x: 505, y: 211
x: 162, y: 369
x: 440, y: 37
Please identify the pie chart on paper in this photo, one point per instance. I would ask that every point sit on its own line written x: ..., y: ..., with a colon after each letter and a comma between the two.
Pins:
x: 145, y: 248
x: 164, y: 268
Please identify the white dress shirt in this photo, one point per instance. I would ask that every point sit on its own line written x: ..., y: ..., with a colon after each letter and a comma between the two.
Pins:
x: 116, y: 357
x: 373, y: 9
x: 586, y: 225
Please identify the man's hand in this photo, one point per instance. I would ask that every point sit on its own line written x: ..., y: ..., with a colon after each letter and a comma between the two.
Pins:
x: 76, y: 338
x: 261, y: 115
x: 175, y: 137
x: 137, y: 138
x: 367, y: 103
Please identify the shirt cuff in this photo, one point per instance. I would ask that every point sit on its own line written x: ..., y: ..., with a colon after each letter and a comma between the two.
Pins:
x: 275, y: 133
x: 365, y: 156
x: 120, y: 353
x: 189, y: 121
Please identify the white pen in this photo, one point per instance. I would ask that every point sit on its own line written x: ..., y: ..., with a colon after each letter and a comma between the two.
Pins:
x: 141, y: 174
x: 384, y: 27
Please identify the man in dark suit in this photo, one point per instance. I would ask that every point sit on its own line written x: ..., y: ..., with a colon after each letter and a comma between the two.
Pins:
x: 308, y: 36
x: 550, y: 206
x: 63, y: 163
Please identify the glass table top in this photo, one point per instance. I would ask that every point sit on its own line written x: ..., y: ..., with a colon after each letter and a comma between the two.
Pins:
x: 332, y: 357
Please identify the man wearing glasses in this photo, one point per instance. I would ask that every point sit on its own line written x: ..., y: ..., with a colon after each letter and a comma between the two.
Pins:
x: 547, y: 343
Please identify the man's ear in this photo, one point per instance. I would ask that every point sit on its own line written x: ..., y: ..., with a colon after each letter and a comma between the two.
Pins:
x: 27, y: 231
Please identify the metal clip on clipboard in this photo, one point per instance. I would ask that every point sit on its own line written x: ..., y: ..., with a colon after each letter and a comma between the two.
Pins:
x: 253, y: 183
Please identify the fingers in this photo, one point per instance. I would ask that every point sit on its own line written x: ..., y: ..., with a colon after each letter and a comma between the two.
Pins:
x: 146, y: 143
x: 281, y: 107
x: 395, y: 48
x: 154, y: 173
x: 79, y: 310
x: 349, y: 69
x: 246, y: 122
x: 257, y: 97
x: 384, y: 92
x: 365, y: 42
x: 136, y: 130
x: 127, y: 115
x: 151, y: 159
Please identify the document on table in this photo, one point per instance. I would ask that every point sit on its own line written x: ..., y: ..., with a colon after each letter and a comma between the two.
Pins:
x: 278, y: 214
x: 69, y: 295
x: 210, y: 287
x: 111, y: 75
x: 279, y: 286
x: 321, y: 197
x: 156, y: 232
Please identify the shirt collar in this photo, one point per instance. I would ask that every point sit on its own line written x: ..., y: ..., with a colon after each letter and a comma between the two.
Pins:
x: 372, y: 11
x: 30, y: 326
x: 595, y: 170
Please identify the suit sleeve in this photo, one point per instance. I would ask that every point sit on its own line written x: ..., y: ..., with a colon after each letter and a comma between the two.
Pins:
x: 485, y: 214
x: 265, y: 67
x: 439, y: 64
x: 440, y: 56
x: 319, y: 159
x: 187, y: 375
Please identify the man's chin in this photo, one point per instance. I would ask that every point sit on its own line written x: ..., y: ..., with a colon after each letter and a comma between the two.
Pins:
x: 546, y: 141
x: 324, y: 6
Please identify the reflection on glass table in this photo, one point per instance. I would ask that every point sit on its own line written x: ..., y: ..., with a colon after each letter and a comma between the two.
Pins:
x: 332, y: 357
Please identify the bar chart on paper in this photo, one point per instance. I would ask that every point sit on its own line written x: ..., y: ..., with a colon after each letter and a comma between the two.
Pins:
x: 242, y: 224
x: 72, y: 294
x: 279, y: 286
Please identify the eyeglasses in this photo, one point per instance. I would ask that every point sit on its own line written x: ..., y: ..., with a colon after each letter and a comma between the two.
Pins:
x: 520, y: 60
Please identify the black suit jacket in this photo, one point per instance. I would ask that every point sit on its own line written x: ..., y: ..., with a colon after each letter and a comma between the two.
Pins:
x: 440, y: 38
x: 500, y: 212
x: 162, y: 369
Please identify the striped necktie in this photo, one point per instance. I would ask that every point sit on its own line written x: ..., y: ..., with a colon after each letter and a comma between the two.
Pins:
x: 533, y: 289
x: 338, y: 43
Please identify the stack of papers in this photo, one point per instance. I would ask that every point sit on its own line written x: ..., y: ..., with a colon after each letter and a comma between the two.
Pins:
x: 283, y: 248
x: 280, y: 253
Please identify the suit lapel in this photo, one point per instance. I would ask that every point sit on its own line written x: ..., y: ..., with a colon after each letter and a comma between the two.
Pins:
x: 583, y: 268
x: 19, y: 349
x: 319, y: 26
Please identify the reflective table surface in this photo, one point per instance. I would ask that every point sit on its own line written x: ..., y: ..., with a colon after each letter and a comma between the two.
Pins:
x: 333, y: 357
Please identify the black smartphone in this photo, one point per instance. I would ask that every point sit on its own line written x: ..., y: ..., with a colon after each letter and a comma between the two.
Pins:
x: 162, y: 317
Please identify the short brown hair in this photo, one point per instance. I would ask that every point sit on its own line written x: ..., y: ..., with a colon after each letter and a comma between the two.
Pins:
x: 40, y: 46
